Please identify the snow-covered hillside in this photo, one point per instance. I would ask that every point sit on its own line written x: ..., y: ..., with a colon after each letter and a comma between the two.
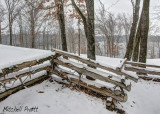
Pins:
x: 53, y: 98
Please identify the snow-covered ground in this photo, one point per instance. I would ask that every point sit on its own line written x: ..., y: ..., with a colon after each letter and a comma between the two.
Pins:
x: 55, y: 100
x: 10, y: 55
x: 52, y: 98
x: 143, y: 99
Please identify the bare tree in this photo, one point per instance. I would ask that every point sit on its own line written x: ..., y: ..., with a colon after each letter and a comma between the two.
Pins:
x: 142, y: 34
x: 33, y: 14
x: 11, y: 6
x: 1, y: 19
x: 102, y: 26
x: 129, y: 49
x: 88, y: 26
x: 157, y: 30
x: 126, y: 22
x: 106, y: 22
x: 61, y: 20
x: 158, y: 45
x: 71, y: 36
x: 20, y: 24
x: 119, y: 31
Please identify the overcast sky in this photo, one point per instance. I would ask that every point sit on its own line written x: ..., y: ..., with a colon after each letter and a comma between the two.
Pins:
x: 124, y: 5
x: 119, y: 6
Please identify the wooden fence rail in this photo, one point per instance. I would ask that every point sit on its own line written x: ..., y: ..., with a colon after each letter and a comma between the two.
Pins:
x: 141, y: 64
x: 15, y: 68
x: 18, y: 76
x: 143, y: 70
x: 94, y: 73
x: 95, y: 64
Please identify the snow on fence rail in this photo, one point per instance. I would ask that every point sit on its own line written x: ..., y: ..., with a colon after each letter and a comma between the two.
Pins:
x: 18, y: 76
x: 143, y: 69
x: 109, y: 81
x: 95, y: 64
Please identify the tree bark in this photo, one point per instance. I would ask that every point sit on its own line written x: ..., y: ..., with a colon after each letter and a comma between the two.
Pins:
x: 21, y: 31
x: 79, y: 38
x: 129, y: 50
x: 91, y: 30
x: 144, y: 31
x: 44, y: 39
x: 82, y: 16
x: 0, y: 33
x: 137, y: 43
x: 61, y: 20
x: 10, y: 31
x: 88, y: 27
x: 32, y: 29
x: 47, y: 40
x: 158, y: 49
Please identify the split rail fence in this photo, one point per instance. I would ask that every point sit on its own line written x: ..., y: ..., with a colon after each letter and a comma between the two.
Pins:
x: 19, y: 76
x: 111, y: 82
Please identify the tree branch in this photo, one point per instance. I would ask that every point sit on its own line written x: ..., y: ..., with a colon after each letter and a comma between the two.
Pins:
x: 79, y: 11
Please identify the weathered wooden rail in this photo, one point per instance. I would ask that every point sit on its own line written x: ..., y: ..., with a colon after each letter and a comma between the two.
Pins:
x: 19, y: 76
x: 143, y: 70
x: 95, y: 64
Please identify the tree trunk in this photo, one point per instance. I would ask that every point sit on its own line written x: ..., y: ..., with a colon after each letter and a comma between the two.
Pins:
x: 0, y: 33
x: 10, y: 28
x: 32, y: 30
x: 129, y: 50
x: 109, y: 49
x: 79, y: 38
x: 21, y: 31
x: 10, y: 34
x: 136, y: 43
x: 88, y: 27
x: 61, y: 20
x: 91, y: 30
x: 44, y: 39
x: 144, y: 31
x: 21, y: 37
x: 158, y: 49
x: 32, y: 37
x: 47, y: 40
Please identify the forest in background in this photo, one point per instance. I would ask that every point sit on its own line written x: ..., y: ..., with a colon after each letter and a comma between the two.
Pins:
x: 47, y: 24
